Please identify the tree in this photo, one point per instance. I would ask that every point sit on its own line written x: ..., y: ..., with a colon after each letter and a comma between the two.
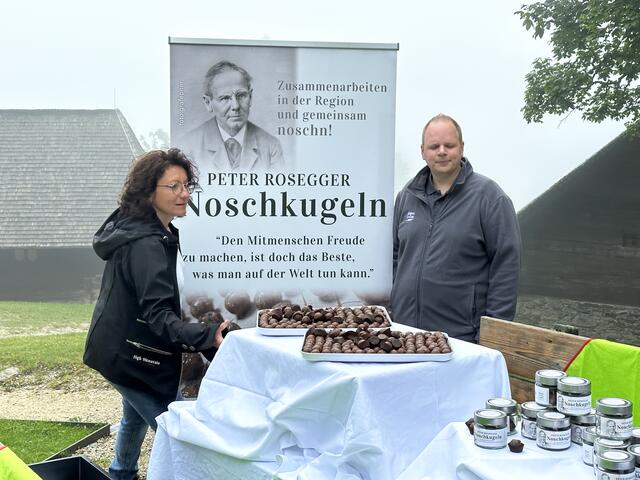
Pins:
x: 157, y: 139
x: 595, y: 67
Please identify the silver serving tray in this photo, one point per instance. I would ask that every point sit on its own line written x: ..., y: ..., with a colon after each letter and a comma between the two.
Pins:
x: 380, y: 357
x: 301, y: 331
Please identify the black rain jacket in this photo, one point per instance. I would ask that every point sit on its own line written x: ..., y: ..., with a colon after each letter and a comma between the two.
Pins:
x: 137, y: 335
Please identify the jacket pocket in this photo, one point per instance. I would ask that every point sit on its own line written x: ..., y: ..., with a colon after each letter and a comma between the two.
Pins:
x: 448, y: 308
x: 147, y: 348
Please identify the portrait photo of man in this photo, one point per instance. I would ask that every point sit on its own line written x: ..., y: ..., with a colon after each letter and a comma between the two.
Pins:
x: 228, y: 141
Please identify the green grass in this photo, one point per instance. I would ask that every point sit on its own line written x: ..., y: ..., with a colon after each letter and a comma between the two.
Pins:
x: 50, y: 360
x: 18, y: 318
x: 34, y: 441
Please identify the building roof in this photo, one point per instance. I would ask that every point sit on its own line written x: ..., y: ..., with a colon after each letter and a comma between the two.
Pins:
x: 62, y: 172
x: 581, y: 238
x: 606, y: 181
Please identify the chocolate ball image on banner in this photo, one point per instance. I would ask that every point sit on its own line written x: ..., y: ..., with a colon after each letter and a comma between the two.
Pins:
x: 328, y: 296
x: 212, y: 317
x: 238, y: 303
x: 373, y: 297
x: 200, y: 306
x: 264, y: 300
x: 193, y: 367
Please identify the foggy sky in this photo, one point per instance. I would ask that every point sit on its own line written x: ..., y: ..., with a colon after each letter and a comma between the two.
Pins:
x: 464, y: 58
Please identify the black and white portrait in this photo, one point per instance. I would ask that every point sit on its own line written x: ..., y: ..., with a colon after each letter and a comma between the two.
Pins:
x: 228, y: 141
x: 225, y: 104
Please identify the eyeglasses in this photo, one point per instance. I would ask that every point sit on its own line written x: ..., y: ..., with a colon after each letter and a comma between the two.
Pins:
x: 177, y: 188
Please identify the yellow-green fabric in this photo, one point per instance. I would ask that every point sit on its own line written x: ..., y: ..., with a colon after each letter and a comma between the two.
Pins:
x: 12, y: 468
x: 614, y: 371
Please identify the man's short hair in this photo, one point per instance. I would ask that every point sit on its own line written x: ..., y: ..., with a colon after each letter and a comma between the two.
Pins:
x: 220, y: 67
x: 442, y: 116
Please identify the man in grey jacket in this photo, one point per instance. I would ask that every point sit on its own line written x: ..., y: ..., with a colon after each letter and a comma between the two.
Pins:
x: 456, y: 242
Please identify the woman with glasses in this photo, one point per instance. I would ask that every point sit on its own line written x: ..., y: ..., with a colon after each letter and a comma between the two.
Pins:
x: 137, y: 335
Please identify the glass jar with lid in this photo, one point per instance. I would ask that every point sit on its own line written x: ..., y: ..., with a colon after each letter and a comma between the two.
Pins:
x: 579, y: 423
x: 529, y: 417
x: 615, y: 465
x: 490, y: 428
x: 601, y: 445
x: 510, y: 408
x: 588, y: 438
x: 547, y: 386
x: 553, y: 431
x: 574, y: 396
x: 634, y: 450
x: 614, y: 417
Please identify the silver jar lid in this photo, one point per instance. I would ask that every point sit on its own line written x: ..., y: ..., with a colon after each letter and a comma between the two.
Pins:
x: 635, y: 451
x: 505, y: 405
x: 531, y: 409
x: 589, y: 434
x: 602, y: 444
x: 574, y: 385
x: 588, y: 419
x: 552, y: 420
x: 614, y: 406
x: 549, y: 378
x: 616, y: 460
x: 490, y: 418
x: 635, y: 435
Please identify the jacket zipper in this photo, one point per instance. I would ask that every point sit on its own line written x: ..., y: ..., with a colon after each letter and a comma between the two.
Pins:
x: 142, y: 346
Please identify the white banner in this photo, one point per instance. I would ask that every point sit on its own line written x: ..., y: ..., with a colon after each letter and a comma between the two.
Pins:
x: 300, y: 208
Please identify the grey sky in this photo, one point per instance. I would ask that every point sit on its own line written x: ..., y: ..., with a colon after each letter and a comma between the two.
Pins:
x: 464, y: 58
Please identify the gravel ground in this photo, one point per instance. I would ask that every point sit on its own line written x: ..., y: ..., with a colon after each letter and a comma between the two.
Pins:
x: 90, y: 405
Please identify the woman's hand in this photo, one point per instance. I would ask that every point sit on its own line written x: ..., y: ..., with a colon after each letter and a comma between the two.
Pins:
x: 218, y: 338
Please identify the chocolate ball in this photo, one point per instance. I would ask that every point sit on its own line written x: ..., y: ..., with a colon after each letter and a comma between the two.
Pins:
x: 191, y: 390
x: 200, y: 306
x: 264, y: 300
x: 516, y: 446
x: 238, y: 303
x: 212, y: 317
x: 193, y: 367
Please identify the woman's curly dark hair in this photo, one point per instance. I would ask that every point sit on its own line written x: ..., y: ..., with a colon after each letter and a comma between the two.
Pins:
x: 144, y: 175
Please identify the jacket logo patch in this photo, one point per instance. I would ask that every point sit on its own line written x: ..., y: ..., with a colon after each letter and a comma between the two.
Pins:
x: 140, y: 358
x: 409, y: 216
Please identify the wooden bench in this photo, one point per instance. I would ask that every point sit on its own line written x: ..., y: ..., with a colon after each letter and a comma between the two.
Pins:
x: 527, y: 349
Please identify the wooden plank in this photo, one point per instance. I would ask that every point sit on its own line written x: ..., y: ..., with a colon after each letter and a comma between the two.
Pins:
x: 527, y: 348
x: 522, y: 390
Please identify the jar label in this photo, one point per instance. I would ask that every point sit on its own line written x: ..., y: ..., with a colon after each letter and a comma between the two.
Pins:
x: 587, y: 453
x: 485, y: 437
x: 528, y: 428
x: 552, y: 439
x: 602, y: 475
x: 542, y: 395
x: 613, y: 427
x: 574, y: 405
x: 637, y: 472
x: 576, y: 434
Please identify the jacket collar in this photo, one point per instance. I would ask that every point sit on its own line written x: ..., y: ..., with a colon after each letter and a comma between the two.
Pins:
x: 120, y: 229
x: 418, y: 185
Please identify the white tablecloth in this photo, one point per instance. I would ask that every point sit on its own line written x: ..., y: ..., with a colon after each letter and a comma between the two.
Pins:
x: 260, y: 401
x: 453, y: 455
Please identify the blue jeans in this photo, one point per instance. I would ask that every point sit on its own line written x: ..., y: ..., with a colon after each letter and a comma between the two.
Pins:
x: 139, y: 411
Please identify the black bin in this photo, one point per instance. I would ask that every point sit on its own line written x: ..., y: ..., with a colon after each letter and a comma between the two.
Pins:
x: 70, y: 468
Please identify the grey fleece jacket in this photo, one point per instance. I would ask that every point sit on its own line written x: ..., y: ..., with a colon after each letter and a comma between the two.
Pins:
x: 454, y: 259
